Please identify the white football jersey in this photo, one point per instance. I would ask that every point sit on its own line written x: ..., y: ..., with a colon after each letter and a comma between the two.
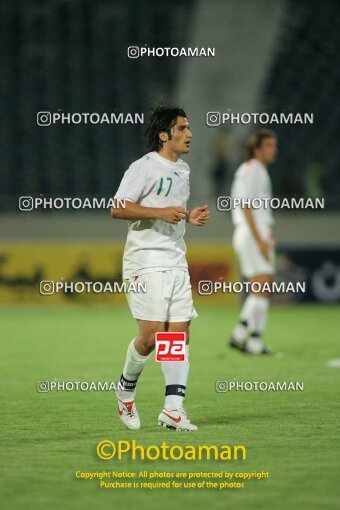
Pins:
x: 154, y: 245
x: 251, y: 181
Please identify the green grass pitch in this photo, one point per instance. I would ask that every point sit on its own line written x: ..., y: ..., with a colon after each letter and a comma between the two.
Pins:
x: 47, y: 437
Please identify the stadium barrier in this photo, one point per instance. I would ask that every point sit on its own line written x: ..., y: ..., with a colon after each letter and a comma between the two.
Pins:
x: 24, y: 266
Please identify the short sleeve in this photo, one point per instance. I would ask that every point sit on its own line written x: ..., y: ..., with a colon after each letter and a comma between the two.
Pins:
x: 133, y: 183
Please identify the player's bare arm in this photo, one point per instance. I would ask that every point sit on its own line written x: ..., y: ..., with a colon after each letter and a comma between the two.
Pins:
x: 263, y: 245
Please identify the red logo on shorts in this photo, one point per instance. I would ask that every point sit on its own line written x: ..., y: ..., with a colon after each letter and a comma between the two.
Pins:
x: 170, y: 346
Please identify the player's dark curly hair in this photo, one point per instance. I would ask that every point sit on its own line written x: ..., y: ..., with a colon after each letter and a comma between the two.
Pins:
x: 255, y: 141
x: 162, y: 118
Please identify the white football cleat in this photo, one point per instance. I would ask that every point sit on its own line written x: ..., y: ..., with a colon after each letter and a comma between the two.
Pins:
x: 177, y: 420
x: 256, y: 347
x: 128, y: 414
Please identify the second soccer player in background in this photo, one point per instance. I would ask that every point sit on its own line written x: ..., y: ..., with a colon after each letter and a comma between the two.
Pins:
x: 253, y: 240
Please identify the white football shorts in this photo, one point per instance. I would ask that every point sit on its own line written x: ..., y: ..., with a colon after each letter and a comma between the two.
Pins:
x: 168, y: 297
x: 252, y: 262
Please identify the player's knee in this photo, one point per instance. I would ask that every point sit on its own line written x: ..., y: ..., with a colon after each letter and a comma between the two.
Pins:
x: 146, y: 347
x: 148, y: 337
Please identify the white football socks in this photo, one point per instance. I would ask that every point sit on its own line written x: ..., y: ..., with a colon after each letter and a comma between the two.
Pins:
x: 241, y: 330
x: 258, y: 313
x: 253, y: 319
x: 175, y: 373
x: 176, y: 376
x: 256, y: 322
x: 134, y: 364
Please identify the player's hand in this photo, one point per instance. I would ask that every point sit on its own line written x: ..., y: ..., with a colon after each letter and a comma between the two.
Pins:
x: 264, y: 248
x: 199, y: 215
x: 272, y: 240
x: 172, y: 214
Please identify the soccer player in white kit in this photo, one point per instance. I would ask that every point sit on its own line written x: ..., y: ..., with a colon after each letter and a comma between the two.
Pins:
x: 253, y: 239
x: 156, y: 191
